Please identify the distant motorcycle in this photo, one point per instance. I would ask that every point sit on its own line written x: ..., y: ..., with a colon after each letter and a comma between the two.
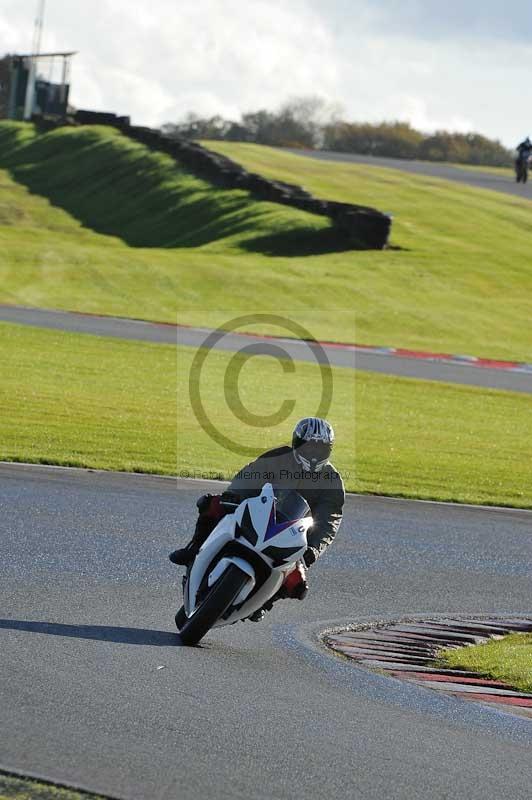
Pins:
x: 244, y: 563
x: 522, y: 164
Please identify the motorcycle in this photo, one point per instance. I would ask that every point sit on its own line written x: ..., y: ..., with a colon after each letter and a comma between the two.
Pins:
x: 244, y: 562
x: 522, y: 164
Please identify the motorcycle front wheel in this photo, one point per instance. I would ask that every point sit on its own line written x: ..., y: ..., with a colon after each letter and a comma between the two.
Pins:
x: 212, y: 607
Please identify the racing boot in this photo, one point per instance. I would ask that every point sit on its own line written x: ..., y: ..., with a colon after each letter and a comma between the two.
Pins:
x: 259, y: 615
x: 210, y: 512
x: 184, y: 556
x: 295, y: 587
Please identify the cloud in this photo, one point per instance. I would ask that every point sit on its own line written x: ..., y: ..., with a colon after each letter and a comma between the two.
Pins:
x: 158, y: 60
x: 388, y: 60
x: 435, y: 20
x: 412, y: 109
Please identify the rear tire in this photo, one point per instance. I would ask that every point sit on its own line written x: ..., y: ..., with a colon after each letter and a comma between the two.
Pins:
x: 217, y: 601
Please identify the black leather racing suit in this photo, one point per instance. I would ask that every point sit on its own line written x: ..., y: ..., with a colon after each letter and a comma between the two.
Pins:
x: 323, y: 491
x: 524, y: 150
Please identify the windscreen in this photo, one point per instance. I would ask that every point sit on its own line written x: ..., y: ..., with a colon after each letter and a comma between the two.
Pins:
x: 290, y: 505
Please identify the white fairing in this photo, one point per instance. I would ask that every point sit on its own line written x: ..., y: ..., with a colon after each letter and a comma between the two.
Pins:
x: 279, y: 545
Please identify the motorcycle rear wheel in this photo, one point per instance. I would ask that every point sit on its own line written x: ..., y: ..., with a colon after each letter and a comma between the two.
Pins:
x: 217, y: 601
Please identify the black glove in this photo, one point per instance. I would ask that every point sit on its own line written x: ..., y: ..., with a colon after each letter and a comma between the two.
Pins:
x: 203, y: 503
x: 310, y: 556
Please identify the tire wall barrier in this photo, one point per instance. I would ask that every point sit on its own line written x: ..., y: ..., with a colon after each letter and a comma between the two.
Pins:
x: 363, y: 226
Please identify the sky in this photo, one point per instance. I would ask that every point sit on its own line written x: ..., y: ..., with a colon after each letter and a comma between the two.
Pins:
x: 461, y: 65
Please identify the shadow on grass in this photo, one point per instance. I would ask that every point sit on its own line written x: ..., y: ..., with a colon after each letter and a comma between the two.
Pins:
x: 102, y: 633
x: 301, y: 242
x: 185, y: 221
x: 116, y: 187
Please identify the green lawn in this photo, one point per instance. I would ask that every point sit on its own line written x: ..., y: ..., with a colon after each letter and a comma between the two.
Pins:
x: 508, y: 659
x: 462, y: 281
x: 89, y: 401
x: 15, y: 788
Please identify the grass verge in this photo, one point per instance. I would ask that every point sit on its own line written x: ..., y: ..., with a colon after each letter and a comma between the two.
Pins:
x: 87, y: 401
x: 461, y: 283
x: 13, y: 787
x: 508, y: 659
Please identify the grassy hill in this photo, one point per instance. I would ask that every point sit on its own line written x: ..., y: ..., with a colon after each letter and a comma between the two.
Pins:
x: 118, y: 187
x: 92, y: 221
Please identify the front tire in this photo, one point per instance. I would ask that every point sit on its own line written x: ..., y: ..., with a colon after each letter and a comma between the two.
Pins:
x: 180, y: 618
x: 216, y: 603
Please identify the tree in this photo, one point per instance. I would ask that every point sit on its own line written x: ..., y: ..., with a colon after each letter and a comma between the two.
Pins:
x: 312, y: 122
x: 393, y: 139
x: 194, y: 127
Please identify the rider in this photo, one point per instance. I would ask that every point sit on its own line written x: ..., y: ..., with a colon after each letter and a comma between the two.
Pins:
x: 524, y: 150
x: 303, y: 467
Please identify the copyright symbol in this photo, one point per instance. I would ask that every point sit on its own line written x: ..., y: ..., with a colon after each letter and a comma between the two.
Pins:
x: 236, y: 364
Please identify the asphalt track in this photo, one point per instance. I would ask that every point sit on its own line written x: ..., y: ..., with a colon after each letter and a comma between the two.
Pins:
x: 96, y: 691
x: 504, y: 183
x: 511, y: 380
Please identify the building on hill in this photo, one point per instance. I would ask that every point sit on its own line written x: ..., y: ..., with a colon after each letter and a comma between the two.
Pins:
x: 4, y: 85
x: 24, y: 92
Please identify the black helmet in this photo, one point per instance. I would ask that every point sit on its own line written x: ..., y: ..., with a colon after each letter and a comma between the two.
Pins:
x: 312, y: 443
